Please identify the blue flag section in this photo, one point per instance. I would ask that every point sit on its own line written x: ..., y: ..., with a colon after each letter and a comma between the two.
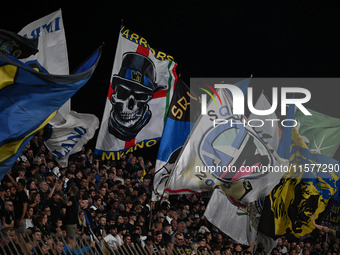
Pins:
x: 176, y: 130
x: 314, y: 180
x: 286, y: 139
x: 29, y: 98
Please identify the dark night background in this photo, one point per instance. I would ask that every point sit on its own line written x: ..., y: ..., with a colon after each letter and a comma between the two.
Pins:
x: 231, y: 39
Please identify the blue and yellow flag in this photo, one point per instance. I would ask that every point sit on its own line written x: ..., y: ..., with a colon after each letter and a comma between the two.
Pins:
x: 29, y: 99
x: 304, y: 191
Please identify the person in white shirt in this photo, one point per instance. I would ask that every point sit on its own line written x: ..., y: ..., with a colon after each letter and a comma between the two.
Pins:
x: 121, y: 232
x: 110, y: 238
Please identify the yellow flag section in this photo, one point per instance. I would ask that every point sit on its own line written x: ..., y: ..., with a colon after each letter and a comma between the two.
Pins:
x: 7, y: 74
x: 10, y: 149
x: 305, y: 190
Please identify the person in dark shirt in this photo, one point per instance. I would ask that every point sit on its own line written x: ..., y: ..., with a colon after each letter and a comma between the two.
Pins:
x: 56, y: 204
x: 43, y: 226
x: 32, y: 171
x: 179, y: 244
x: 158, y: 237
x: 71, y: 215
x: 44, y: 190
x: 131, y: 224
x: 101, y: 229
x: 78, y: 177
x: 20, y: 203
x: 7, y: 218
x: 187, y: 243
x: 166, y: 234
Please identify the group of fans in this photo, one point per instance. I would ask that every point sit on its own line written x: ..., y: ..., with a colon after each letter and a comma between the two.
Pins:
x: 91, y: 203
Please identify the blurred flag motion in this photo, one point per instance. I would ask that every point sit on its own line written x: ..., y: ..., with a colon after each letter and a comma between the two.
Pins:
x: 29, y: 99
x: 68, y: 130
x: 243, y: 219
x: 305, y: 191
x: 228, y: 155
x: 320, y: 132
x: 177, y: 125
x: 69, y: 136
x: 221, y: 152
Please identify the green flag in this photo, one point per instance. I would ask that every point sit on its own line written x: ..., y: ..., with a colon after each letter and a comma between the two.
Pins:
x: 322, y: 132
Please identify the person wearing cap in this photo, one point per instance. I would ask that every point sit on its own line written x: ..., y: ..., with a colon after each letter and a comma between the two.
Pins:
x: 179, y: 244
x: 188, y: 243
x: 161, y: 217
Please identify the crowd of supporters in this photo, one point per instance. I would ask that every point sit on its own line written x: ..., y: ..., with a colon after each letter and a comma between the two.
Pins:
x: 91, y: 202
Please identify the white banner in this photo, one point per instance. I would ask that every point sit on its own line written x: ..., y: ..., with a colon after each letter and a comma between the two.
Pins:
x: 233, y: 220
x: 228, y: 154
x: 69, y: 137
x: 140, y: 90
x: 70, y: 130
x: 52, y: 47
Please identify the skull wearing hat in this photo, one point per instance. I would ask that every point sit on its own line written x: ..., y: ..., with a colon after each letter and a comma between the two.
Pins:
x: 132, y: 90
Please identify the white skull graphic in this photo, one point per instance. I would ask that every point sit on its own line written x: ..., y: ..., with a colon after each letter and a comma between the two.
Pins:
x: 129, y: 106
x: 133, y: 87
